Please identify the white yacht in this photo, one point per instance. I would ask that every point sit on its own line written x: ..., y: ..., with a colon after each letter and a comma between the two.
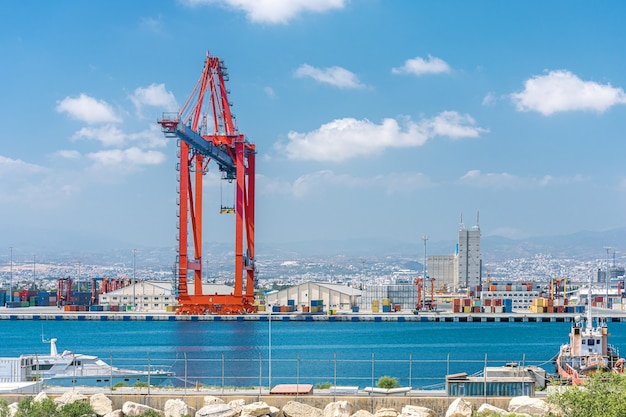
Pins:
x: 73, y: 369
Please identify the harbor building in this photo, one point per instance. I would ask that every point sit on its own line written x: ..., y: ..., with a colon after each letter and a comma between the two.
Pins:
x: 444, y: 269
x: 389, y: 297
x: 152, y: 296
x: 315, y: 296
x: 468, y: 254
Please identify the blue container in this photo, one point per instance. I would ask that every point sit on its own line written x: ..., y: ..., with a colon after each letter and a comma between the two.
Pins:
x: 386, y: 309
x: 291, y: 302
x: 355, y: 309
x: 314, y: 303
x: 275, y: 309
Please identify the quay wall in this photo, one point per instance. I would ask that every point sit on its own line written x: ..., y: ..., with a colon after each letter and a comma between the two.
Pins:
x: 43, y: 313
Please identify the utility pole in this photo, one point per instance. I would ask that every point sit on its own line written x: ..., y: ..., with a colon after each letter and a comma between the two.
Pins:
x: 11, y: 279
x: 134, y: 280
x: 607, y: 278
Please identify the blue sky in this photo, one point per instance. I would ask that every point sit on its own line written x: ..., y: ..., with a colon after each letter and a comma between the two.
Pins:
x: 372, y: 119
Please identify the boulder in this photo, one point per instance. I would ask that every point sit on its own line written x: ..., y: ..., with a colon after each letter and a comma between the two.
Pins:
x: 115, y: 413
x: 40, y: 397
x: 459, y: 408
x: 69, y: 397
x: 529, y: 405
x: 362, y: 413
x: 210, y: 399
x: 135, y: 409
x: 275, y: 412
x: 101, y: 404
x: 386, y: 412
x: 177, y: 408
x: 296, y: 409
x: 237, y: 404
x: 338, y: 409
x: 492, y: 409
x: 13, y: 409
x: 217, y: 410
x: 256, y: 409
x: 416, y: 411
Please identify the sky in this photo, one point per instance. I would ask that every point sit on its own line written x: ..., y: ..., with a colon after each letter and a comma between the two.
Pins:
x: 373, y: 119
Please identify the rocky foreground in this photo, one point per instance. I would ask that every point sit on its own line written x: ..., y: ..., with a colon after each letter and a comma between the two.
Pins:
x: 216, y: 407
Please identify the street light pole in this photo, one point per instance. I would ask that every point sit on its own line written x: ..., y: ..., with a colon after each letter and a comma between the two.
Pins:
x: 270, y: 347
x: 425, y: 239
x: 11, y: 279
x: 134, y: 281
x: 606, y: 301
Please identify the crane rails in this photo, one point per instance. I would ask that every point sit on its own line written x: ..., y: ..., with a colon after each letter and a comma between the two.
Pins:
x: 206, y: 131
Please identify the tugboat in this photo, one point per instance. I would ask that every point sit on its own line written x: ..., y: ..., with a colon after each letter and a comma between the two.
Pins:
x: 588, y: 350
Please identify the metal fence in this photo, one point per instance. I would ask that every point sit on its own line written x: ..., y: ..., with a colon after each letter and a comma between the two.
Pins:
x: 230, y: 370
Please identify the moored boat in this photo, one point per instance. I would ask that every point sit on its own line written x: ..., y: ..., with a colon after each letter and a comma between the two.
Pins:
x: 588, y: 350
x: 72, y: 369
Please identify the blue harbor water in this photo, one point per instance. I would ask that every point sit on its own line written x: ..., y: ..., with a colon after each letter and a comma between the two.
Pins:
x: 242, y: 353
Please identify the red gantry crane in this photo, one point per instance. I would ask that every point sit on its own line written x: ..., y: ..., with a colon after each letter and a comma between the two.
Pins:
x: 206, y: 131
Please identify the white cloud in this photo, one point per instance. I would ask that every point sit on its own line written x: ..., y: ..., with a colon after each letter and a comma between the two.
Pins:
x: 67, y: 154
x: 335, y: 76
x: 10, y: 167
x: 476, y: 178
x: 273, y: 11
x: 561, y: 90
x: 88, y: 109
x: 347, y: 138
x: 154, y: 95
x: 112, y: 136
x: 314, y: 183
x: 126, y: 158
x: 421, y: 66
x: 489, y: 99
x: 270, y: 92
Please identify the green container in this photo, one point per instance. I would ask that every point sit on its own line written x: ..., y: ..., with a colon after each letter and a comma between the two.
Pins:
x: 25, y: 304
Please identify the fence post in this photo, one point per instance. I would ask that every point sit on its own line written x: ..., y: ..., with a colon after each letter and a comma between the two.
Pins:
x: 297, y: 373
x: 411, y: 369
x: 260, y: 375
x: 185, y: 360
x: 334, y: 375
x: 148, y: 373
x: 222, y: 373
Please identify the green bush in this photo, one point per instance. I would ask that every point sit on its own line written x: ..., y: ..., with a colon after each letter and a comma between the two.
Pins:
x: 323, y: 385
x: 29, y: 408
x: 151, y: 413
x: 140, y: 384
x: 77, y: 409
x: 600, y: 395
x: 387, y: 382
x: 4, y: 408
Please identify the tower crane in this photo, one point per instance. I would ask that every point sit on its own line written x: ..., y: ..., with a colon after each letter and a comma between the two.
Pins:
x: 206, y: 130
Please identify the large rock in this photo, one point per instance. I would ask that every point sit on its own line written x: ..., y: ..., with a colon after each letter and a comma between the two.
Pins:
x: 338, y: 409
x: 416, y: 411
x: 296, y: 409
x: 386, y: 412
x: 133, y: 409
x: 529, y: 405
x: 210, y: 399
x: 489, y: 409
x: 177, y: 408
x: 69, y: 397
x: 362, y: 413
x: 101, y: 404
x: 459, y: 408
x: 115, y: 413
x: 40, y: 397
x: 13, y: 409
x: 256, y: 409
x: 237, y: 404
x: 217, y: 410
x: 275, y: 412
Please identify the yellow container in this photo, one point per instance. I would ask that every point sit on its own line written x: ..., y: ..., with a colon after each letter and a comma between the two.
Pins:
x: 467, y: 309
x: 261, y: 307
x: 374, y: 308
x: 386, y: 301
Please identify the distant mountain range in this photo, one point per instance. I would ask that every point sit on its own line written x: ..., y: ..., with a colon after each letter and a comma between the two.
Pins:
x: 584, y: 245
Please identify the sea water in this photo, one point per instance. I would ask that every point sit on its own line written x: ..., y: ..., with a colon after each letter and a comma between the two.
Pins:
x: 257, y: 353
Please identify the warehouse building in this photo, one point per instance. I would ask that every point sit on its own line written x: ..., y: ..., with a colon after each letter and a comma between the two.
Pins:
x: 315, y: 294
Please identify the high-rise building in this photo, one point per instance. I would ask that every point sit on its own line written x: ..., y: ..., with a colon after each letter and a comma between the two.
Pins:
x: 444, y: 269
x: 468, y: 255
